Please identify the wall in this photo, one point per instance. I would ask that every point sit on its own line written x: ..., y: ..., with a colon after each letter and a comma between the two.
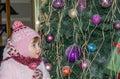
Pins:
x: 24, y: 9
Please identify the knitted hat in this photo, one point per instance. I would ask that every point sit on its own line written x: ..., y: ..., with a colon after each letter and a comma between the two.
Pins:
x: 21, y: 37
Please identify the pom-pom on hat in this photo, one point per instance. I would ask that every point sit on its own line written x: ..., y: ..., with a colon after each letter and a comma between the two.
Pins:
x: 21, y: 37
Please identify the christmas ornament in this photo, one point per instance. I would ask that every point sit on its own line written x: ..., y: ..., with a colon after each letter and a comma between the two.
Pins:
x: 49, y: 38
x: 48, y: 66
x: 96, y: 19
x: 66, y: 71
x: 117, y: 45
x: 91, y: 47
x: 116, y: 25
x: 73, y: 53
x: 105, y: 3
x: 84, y: 64
x: 82, y: 4
x: 58, y: 3
x: 72, y: 13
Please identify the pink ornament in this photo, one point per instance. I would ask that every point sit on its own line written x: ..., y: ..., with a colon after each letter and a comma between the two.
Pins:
x: 49, y: 38
x: 105, y: 3
x: 96, y: 19
x: 84, y: 64
x: 58, y: 3
x: 82, y: 4
x: 116, y: 25
x: 48, y: 66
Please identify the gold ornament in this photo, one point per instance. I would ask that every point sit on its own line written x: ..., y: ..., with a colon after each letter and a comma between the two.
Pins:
x: 72, y: 13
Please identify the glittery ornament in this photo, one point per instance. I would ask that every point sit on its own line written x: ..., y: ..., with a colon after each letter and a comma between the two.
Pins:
x: 48, y: 66
x: 73, y: 53
x: 58, y: 3
x: 116, y: 25
x: 84, y: 64
x: 49, y: 38
x: 105, y: 3
x: 66, y: 71
x: 72, y: 13
x: 91, y: 47
x: 96, y: 19
x: 82, y: 4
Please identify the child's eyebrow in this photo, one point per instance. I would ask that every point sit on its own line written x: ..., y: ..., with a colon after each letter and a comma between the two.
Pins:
x: 34, y: 42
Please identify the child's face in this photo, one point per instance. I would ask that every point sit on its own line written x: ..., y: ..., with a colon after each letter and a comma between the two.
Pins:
x: 34, y: 48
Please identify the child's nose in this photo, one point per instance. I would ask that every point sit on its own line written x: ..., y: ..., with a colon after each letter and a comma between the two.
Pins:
x: 38, y: 49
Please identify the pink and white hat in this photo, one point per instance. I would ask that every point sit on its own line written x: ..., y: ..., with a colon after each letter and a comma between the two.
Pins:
x: 21, y: 37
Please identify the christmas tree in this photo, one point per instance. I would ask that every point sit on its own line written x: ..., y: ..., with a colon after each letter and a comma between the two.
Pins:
x: 81, y: 38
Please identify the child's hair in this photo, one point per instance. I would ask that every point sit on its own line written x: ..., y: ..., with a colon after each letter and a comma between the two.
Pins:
x: 35, y: 39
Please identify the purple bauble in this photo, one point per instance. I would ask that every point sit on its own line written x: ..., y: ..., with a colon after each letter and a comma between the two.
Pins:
x: 84, y: 64
x: 96, y: 19
x: 73, y: 53
x: 116, y: 25
x: 82, y: 4
x: 58, y: 3
x: 49, y: 38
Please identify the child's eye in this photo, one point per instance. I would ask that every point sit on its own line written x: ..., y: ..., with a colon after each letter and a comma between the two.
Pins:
x: 33, y: 45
